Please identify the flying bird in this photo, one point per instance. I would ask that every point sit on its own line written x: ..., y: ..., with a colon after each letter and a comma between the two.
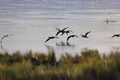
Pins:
x: 71, y: 37
x: 61, y: 31
x: 53, y: 37
x: 68, y: 31
x: 86, y: 34
x: 5, y: 36
x: 115, y: 35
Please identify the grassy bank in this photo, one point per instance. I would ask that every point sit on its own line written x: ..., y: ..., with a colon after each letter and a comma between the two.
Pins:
x: 39, y: 66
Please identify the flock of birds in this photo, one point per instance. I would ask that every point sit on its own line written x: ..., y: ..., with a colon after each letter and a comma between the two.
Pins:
x: 65, y: 31
x: 62, y: 32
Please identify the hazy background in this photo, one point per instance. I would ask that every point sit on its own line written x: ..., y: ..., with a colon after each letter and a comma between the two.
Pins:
x: 32, y: 21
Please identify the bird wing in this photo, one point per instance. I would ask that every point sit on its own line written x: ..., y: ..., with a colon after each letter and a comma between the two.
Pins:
x: 68, y: 37
x: 58, y: 29
x: 57, y: 33
x: 87, y: 33
x: 47, y: 40
x: 3, y: 38
x: 112, y: 36
x: 64, y: 28
x: 7, y: 35
x: 62, y: 33
x: 51, y: 38
x: 115, y: 35
x: 67, y: 32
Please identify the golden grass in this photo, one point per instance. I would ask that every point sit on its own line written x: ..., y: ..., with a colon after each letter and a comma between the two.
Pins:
x: 38, y: 66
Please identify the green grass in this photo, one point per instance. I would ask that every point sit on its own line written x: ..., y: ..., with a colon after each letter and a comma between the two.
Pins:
x: 40, y: 66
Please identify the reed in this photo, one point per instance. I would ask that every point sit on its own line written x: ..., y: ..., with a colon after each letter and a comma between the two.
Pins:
x: 40, y: 66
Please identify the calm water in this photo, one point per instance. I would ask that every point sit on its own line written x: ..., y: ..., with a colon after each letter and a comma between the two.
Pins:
x: 32, y: 21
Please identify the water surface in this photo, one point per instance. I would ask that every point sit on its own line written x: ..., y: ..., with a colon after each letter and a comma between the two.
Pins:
x: 32, y: 21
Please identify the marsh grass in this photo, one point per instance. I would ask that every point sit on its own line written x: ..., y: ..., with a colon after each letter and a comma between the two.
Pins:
x: 39, y: 66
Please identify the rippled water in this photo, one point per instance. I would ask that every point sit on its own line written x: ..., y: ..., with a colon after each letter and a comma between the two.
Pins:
x: 32, y: 21
x: 56, y: 9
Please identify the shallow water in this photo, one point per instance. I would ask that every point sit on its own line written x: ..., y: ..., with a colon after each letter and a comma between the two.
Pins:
x: 32, y: 21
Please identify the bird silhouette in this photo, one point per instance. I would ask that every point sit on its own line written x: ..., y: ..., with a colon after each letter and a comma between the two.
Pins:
x: 71, y: 37
x: 86, y: 34
x: 5, y: 36
x: 68, y: 31
x: 115, y: 35
x: 61, y: 31
x: 53, y: 37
